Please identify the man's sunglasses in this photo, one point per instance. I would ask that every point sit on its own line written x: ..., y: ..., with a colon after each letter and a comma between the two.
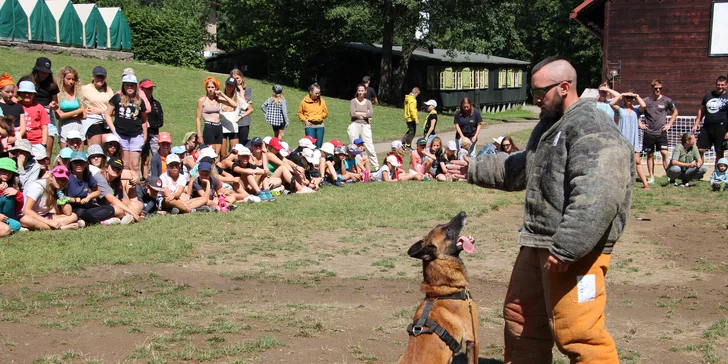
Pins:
x: 658, y: 88
x: 539, y: 93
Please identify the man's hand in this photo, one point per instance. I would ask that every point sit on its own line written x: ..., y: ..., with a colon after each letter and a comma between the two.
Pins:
x: 604, y: 88
x: 666, y: 127
x: 475, y: 139
x: 553, y: 264
x: 458, y: 169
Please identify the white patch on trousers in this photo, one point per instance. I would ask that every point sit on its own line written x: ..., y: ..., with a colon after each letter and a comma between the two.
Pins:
x: 586, y: 287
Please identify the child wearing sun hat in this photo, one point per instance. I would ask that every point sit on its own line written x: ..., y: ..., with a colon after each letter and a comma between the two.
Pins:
x: 11, y: 199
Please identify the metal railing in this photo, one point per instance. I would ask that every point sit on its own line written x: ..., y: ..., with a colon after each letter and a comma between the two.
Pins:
x: 682, y: 125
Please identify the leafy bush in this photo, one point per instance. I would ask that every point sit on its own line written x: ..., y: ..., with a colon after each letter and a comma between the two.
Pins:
x: 171, y: 32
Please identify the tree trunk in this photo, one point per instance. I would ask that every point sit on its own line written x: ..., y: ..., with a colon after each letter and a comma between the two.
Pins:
x: 385, y: 70
x: 407, y: 48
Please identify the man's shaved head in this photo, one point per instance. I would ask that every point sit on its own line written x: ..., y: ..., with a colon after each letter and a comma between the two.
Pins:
x: 556, y: 69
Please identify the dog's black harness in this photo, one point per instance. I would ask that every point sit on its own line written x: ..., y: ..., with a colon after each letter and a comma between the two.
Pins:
x: 418, y: 326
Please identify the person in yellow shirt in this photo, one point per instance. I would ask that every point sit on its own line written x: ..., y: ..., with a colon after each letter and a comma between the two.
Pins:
x: 410, y: 117
x: 312, y: 111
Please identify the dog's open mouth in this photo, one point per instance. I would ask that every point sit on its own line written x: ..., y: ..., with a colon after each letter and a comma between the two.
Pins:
x: 466, y: 243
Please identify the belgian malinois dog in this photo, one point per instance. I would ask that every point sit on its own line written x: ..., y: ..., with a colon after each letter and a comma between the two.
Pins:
x: 449, y: 326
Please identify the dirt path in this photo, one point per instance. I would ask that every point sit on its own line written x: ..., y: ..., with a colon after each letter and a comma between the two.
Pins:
x: 486, y: 134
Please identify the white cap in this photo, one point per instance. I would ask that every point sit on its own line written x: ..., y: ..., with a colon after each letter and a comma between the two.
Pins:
x: 306, y: 143
x: 39, y: 152
x: 284, y: 153
x: 129, y: 78
x: 285, y: 145
x: 237, y: 148
x: 208, y: 152
x: 172, y: 158
x: 243, y: 151
x: 308, y: 154
x: 431, y: 102
x: 266, y: 140
x: 452, y: 145
x: 26, y: 86
x: 74, y: 134
x: 328, y: 148
x: 393, y: 161
x: 112, y: 138
x: 499, y: 139
x: 316, y: 157
x: 396, y: 144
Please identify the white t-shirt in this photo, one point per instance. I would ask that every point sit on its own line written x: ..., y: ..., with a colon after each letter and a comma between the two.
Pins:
x: 93, y: 169
x: 378, y: 175
x: 35, y: 191
x: 170, y: 184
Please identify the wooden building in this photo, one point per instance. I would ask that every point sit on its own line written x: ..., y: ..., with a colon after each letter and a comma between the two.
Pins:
x: 684, y: 43
x: 490, y: 82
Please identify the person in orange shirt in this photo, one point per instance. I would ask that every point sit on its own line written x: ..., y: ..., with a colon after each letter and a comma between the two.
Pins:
x: 312, y: 111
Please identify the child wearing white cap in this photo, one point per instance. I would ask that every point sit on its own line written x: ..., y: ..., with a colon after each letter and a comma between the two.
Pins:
x: 386, y: 173
x: 448, y: 156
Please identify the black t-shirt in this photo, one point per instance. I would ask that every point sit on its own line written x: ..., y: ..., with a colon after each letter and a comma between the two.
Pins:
x: 198, y: 186
x: 468, y: 124
x: 716, y: 107
x: 430, y: 117
x: 296, y: 156
x: 15, y: 110
x: 46, y: 90
x: 371, y: 94
x: 155, y: 116
x: 127, y: 119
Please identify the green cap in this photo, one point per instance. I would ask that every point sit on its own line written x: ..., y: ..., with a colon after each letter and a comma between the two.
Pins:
x: 8, y: 164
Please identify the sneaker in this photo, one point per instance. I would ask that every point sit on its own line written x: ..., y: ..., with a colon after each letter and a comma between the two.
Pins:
x: 174, y: 211
x: 271, y: 198
x: 22, y: 229
x: 127, y: 219
x: 263, y: 196
x: 202, y: 209
x: 111, y: 221
x: 687, y: 184
x: 275, y: 193
x: 252, y: 199
x: 651, y: 180
x: 351, y: 180
x: 338, y: 183
x: 326, y: 183
x: 81, y: 224
x: 232, y: 207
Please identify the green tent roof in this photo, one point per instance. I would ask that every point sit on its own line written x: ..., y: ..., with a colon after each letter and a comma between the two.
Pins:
x: 119, y: 33
x: 69, y: 29
x: 41, y: 24
x: 94, y: 28
x: 13, y: 21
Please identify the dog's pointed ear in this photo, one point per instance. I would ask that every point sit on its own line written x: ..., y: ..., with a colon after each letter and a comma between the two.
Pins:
x: 421, y: 252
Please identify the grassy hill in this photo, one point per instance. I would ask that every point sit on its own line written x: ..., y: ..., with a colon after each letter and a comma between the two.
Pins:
x: 178, y: 90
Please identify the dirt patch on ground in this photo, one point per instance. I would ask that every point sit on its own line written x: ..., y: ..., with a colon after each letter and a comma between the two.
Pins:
x: 348, y: 298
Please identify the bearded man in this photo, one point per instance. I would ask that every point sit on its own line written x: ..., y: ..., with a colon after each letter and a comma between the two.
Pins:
x: 578, y: 173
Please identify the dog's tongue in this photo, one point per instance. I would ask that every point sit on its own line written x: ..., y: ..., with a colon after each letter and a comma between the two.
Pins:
x: 468, y: 244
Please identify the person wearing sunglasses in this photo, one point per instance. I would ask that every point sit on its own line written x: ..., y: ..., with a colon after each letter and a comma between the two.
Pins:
x: 627, y: 106
x: 578, y: 172
x: 656, y: 126
x: 606, y: 94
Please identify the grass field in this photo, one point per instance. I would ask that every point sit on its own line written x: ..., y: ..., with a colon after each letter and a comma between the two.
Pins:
x: 325, y: 278
x: 178, y: 90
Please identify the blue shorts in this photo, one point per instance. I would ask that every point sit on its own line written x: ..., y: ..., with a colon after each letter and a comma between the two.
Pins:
x: 52, y: 130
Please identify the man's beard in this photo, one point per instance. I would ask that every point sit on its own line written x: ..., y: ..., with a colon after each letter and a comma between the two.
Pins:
x: 552, y: 113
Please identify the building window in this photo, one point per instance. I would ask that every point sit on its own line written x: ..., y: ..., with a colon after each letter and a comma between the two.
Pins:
x: 448, y: 78
x: 502, y: 78
x: 517, y: 78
